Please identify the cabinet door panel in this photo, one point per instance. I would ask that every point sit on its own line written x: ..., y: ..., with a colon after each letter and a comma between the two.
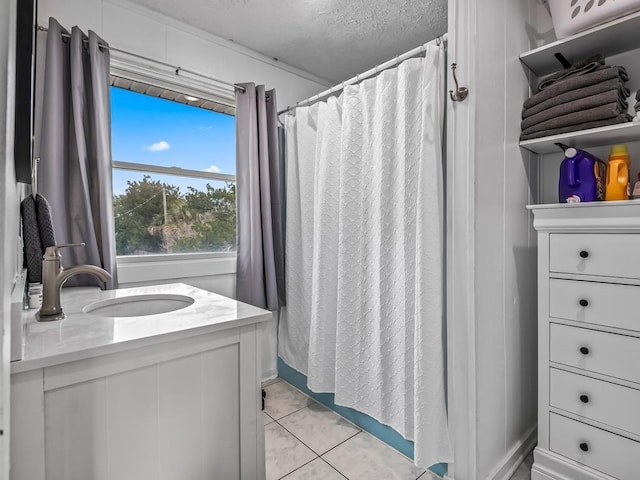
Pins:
x: 76, y: 432
x: 132, y: 415
x: 220, y: 445
x: 199, y: 426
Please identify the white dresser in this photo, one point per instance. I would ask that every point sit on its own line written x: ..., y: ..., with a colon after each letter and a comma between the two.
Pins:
x: 588, y: 341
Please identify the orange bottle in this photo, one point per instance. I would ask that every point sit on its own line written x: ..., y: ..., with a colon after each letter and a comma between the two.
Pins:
x: 618, y: 166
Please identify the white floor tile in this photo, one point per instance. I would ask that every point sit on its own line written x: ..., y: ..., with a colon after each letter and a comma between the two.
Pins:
x: 524, y: 470
x: 365, y: 457
x: 316, y: 470
x: 318, y: 427
x: 267, y: 419
x: 270, y: 382
x: 283, y: 399
x: 429, y: 476
x: 284, y: 453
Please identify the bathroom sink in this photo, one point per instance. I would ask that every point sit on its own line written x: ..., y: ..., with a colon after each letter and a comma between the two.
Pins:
x: 138, y: 305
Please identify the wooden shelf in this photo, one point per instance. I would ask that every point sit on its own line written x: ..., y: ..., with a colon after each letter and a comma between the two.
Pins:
x: 594, y: 137
x: 611, y: 38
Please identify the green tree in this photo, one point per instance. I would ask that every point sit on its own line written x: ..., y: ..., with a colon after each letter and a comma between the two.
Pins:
x: 212, y: 215
x: 140, y: 216
x: 154, y: 217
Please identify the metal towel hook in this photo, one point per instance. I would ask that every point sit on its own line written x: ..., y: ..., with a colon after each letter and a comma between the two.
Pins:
x: 461, y: 92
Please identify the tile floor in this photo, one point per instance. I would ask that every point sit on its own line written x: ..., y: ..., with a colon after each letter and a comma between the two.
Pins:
x: 306, y: 441
x: 524, y: 470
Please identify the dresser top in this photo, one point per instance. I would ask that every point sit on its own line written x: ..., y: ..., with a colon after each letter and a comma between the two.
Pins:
x: 618, y: 217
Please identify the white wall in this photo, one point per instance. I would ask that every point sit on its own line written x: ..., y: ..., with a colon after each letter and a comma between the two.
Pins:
x: 129, y: 27
x: 9, y: 214
x: 506, y: 292
x: 492, y: 291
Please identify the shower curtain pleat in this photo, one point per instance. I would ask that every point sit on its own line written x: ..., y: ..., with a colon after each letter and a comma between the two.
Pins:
x: 293, y: 336
x: 324, y: 271
x: 364, y: 251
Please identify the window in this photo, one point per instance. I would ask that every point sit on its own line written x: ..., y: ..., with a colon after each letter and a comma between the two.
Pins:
x: 173, y: 171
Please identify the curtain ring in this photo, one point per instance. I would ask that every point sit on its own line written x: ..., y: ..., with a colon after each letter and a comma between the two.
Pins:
x: 358, y: 78
x: 397, y: 59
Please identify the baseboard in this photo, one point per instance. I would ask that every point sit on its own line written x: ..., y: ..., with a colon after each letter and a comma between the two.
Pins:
x: 516, y: 455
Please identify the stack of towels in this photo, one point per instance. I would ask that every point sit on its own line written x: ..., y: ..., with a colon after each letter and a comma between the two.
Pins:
x: 636, y: 107
x: 578, y: 98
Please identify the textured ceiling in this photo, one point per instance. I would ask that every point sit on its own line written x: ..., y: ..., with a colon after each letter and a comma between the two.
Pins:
x: 333, y: 39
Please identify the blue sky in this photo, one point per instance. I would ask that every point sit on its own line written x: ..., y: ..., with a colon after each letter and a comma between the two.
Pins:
x: 156, y: 131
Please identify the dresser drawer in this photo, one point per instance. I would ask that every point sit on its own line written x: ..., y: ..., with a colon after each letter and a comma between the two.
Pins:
x: 604, y: 402
x: 611, y: 255
x: 605, y: 353
x: 597, y: 303
x: 615, y: 455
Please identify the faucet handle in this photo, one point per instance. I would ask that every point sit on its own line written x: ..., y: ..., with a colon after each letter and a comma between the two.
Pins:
x: 52, y: 252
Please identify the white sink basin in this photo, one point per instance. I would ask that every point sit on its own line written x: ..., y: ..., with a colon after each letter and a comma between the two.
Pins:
x: 138, y: 305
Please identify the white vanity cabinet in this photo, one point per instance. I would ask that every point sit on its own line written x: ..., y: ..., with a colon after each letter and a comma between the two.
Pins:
x: 183, y: 405
x: 588, y: 342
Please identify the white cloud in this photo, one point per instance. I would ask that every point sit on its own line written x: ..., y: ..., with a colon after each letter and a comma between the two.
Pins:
x: 207, y: 127
x: 158, y: 146
x: 212, y: 169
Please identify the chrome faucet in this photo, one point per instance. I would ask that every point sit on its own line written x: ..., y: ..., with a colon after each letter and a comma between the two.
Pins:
x: 54, y: 276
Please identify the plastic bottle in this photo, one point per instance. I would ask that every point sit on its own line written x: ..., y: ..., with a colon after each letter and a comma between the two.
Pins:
x: 636, y: 189
x: 582, y: 176
x: 618, y: 178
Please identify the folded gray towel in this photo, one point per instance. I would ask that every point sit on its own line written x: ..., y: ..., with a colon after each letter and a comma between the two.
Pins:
x: 574, y: 83
x: 602, y: 112
x: 623, y: 118
x: 45, y: 225
x: 569, y: 72
x: 571, y: 95
x: 37, y: 234
x: 31, y: 240
x: 579, y: 105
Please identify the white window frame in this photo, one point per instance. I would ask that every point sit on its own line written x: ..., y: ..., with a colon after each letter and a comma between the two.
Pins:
x: 138, y: 269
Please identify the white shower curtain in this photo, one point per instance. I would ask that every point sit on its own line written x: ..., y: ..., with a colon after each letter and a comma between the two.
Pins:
x: 364, y: 244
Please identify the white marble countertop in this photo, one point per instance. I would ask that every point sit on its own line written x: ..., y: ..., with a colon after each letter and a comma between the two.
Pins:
x: 82, y: 335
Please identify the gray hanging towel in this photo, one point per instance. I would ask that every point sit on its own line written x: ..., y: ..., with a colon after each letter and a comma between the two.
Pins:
x: 31, y: 240
x: 45, y: 225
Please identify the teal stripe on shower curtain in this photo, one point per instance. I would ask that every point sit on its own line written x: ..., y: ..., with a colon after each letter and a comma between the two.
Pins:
x: 387, y: 434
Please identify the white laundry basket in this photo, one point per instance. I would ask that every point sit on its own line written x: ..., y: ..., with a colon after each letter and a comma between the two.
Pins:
x: 572, y: 16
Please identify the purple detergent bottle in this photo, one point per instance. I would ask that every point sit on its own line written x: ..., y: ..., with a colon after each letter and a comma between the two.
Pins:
x: 582, y: 176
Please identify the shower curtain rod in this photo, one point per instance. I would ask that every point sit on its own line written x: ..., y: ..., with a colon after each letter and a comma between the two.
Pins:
x: 369, y: 73
x: 177, y: 69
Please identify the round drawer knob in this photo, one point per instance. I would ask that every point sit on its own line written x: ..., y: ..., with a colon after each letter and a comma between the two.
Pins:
x: 584, y: 253
x: 584, y: 303
x: 584, y: 398
x: 584, y: 350
x: 584, y: 446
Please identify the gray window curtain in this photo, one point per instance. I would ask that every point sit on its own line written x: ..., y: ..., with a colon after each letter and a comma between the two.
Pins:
x: 75, y: 149
x: 260, y: 260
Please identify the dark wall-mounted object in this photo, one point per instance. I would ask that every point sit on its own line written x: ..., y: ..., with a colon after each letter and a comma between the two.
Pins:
x: 25, y: 79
